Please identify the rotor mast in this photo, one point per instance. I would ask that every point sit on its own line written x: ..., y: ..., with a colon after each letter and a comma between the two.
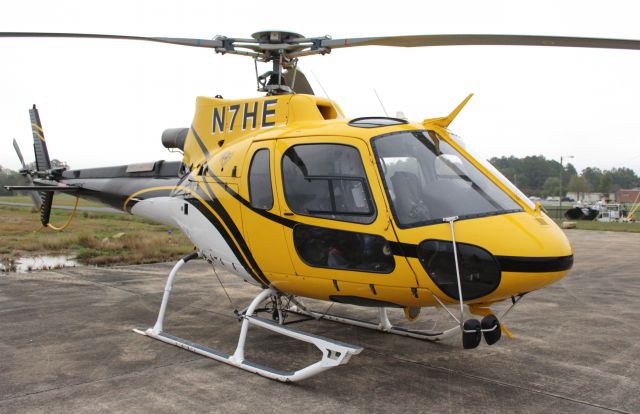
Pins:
x: 280, y: 48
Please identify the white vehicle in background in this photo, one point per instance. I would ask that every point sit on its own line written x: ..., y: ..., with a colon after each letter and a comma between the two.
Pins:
x: 612, y: 213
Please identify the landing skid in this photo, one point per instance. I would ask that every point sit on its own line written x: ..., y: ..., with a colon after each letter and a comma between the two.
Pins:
x: 383, y: 325
x: 334, y: 353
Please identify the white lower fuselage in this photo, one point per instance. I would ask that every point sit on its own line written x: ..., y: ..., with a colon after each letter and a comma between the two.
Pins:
x: 206, y: 238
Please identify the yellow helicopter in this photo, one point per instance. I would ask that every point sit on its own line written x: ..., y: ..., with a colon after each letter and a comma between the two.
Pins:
x: 287, y: 193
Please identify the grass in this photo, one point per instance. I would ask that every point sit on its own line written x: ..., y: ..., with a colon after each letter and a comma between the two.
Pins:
x: 601, y: 226
x: 90, y: 238
x: 58, y: 199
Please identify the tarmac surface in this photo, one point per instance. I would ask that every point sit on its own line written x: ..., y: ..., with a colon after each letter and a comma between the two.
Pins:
x: 66, y: 345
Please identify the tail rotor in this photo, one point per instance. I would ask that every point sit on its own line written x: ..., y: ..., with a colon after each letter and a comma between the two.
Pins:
x: 37, y: 202
x: 44, y: 180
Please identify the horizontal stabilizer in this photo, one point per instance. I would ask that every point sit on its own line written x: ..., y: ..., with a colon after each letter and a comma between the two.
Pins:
x: 56, y: 188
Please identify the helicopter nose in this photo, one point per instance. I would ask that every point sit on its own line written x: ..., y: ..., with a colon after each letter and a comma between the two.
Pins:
x: 498, y: 257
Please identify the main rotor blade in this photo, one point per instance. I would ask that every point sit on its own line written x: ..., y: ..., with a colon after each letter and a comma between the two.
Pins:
x: 171, y: 40
x: 300, y: 84
x: 482, y: 39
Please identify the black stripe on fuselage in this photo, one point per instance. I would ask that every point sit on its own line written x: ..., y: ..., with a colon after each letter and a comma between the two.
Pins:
x: 403, y: 249
x: 235, y: 232
x: 227, y: 238
x: 273, y: 217
x: 517, y: 264
x: 270, y: 216
x: 228, y: 221
x: 203, y: 147
x: 535, y: 264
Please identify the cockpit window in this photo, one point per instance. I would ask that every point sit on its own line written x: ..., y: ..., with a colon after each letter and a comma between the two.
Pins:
x: 328, y: 181
x: 426, y: 180
x: 260, y: 193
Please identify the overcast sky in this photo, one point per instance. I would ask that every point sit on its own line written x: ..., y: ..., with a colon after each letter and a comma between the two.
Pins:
x: 107, y: 102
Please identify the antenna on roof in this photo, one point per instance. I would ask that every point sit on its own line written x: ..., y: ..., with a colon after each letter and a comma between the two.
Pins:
x: 320, y: 83
x: 381, y: 104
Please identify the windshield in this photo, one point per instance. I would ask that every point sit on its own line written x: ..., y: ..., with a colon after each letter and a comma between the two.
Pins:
x: 493, y: 170
x: 426, y: 180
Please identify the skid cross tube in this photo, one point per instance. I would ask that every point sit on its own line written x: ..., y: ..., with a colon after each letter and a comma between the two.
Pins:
x: 334, y: 353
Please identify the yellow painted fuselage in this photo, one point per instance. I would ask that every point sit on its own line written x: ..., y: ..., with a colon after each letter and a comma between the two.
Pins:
x: 273, y: 240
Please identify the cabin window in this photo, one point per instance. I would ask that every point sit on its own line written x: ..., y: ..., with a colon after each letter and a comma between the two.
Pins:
x: 327, y: 181
x: 260, y: 192
x: 337, y: 249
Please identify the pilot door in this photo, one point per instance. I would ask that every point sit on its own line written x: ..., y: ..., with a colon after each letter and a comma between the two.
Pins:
x: 338, y: 231
x: 261, y: 214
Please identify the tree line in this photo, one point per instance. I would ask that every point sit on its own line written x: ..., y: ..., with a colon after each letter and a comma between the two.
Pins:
x: 9, y: 177
x: 537, y: 176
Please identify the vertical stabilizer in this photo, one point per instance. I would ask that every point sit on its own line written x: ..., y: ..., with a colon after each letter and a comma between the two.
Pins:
x: 43, y: 163
x: 39, y: 145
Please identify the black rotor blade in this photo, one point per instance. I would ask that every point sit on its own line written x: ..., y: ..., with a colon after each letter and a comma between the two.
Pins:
x: 37, y: 202
x: 482, y: 39
x: 300, y: 84
x: 171, y: 40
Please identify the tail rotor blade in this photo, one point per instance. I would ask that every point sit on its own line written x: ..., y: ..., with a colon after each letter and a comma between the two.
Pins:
x: 17, y: 148
x: 35, y: 197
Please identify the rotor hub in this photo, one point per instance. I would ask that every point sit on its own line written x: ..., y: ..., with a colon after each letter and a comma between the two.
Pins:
x: 276, y: 36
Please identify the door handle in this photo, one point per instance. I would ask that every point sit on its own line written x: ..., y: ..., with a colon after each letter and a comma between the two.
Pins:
x: 287, y: 213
